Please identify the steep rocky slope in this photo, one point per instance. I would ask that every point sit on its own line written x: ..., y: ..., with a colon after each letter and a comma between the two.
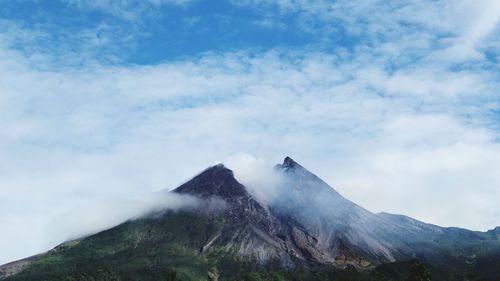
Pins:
x: 306, y: 227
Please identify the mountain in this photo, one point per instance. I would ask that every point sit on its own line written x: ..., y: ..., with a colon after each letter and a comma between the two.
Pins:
x: 304, y: 230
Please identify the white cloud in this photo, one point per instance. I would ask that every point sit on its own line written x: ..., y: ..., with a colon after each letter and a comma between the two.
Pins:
x: 432, y: 167
x: 94, y: 216
x: 257, y: 174
x: 456, y: 30
x: 126, y: 9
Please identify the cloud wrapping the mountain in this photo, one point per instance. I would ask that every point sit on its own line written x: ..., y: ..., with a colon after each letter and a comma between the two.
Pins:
x: 258, y: 175
x: 403, y: 119
x: 95, y: 216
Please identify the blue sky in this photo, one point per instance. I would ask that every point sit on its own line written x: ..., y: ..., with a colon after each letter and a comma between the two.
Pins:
x: 395, y: 104
x: 140, y: 32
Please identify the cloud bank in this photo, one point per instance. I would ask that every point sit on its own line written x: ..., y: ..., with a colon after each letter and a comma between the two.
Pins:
x: 104, y: 131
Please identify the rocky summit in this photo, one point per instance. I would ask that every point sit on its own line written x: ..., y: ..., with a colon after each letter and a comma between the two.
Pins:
x: 305, y: 231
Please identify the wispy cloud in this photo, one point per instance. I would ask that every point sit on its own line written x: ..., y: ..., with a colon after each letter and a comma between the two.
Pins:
x: 451, y: 30
x: 45, y: 48
x: 94, y: 216
x: 126, y: 9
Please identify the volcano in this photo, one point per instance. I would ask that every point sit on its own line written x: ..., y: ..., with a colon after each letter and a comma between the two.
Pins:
x: 305, y: 231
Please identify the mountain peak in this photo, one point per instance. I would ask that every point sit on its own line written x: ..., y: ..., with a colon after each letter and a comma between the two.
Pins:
x: 289, y: 162
x: 214, y: 181
x: 301, y: 177
x: 218, y: 168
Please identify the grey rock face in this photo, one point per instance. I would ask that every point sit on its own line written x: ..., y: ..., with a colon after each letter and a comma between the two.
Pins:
x: 310, y: 225
x: 343, y: 231
x: 250, y: 228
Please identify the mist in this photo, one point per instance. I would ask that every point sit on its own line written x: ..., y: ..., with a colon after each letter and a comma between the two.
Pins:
x: 259, y: 175
x: 96, y: 216
x: 280, y: 190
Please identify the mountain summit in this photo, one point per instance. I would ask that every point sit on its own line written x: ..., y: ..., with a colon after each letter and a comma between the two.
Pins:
x: 309, y: 227
x: 214, y: 181
x: 289, y: 163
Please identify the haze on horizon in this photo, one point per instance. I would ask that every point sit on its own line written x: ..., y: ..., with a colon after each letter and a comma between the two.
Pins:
x: 396, y: 105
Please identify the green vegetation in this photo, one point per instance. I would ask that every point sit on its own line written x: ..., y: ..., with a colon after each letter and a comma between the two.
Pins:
x: 170, y: 248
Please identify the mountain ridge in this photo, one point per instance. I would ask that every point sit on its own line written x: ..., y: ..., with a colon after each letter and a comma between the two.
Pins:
x: 308, y: 226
